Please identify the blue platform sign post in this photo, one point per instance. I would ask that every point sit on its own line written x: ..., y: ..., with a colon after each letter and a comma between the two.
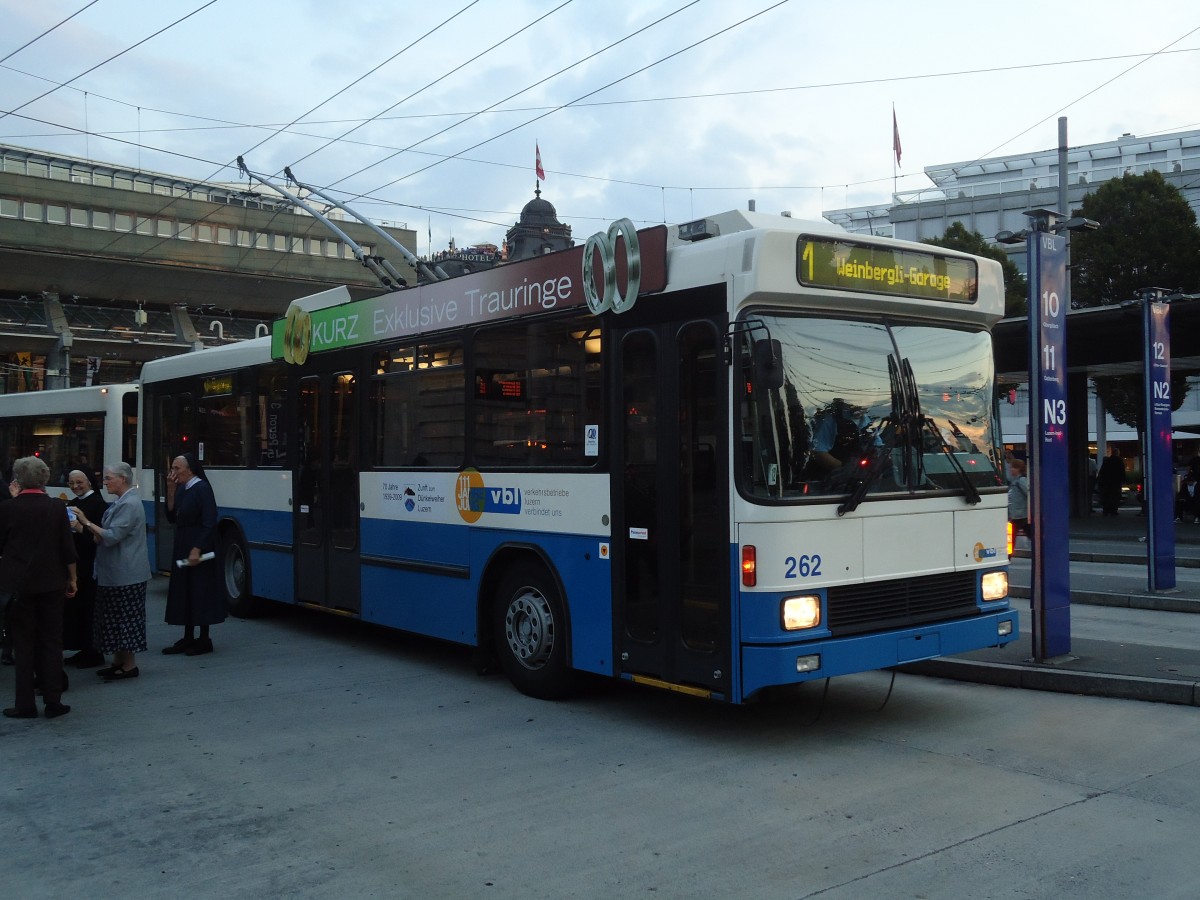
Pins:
x: 1049, y: 495
x: 1160, y: 472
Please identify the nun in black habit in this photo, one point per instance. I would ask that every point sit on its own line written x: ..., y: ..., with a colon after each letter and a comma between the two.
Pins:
x: 195, y: 598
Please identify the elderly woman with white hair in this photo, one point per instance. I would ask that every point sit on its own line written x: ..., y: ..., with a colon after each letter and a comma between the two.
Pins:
x: 122, y: 570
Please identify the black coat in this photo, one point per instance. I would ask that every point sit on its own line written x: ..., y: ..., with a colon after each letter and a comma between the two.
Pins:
x: 35, y: 544
x: 195, y: 595
x: 1112, y: 474
x: 78, y: 611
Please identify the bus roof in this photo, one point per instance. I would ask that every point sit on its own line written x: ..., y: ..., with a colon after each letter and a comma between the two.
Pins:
x: 58, y: 401
x: 761, y: 256
x: 214, y: 359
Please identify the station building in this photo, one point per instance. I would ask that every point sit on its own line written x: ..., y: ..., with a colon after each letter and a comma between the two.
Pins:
x: 103, y: 267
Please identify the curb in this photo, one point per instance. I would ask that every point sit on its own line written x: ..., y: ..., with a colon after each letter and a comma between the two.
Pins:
x: 1124, y: 559
x: 1157, y: 602
x: 1044, y: 678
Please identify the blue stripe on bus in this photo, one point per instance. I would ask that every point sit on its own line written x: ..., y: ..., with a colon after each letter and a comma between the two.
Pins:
x: 401, y: 599
x: 406, y: 564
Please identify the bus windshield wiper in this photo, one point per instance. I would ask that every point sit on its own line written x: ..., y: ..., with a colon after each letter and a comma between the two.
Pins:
x: 881, y: 456
x: 969, y: 490
x: 891, y: 426
x: 923, y: 424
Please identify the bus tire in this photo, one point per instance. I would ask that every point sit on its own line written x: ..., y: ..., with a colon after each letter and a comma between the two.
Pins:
x: 235, y: 577
x: 530, y: 631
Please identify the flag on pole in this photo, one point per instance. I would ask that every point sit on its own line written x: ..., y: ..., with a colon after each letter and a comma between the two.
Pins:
x: 895, y: 136
x: 541, y: 173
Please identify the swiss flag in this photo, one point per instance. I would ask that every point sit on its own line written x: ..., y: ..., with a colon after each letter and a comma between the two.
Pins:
x: 541, y: 173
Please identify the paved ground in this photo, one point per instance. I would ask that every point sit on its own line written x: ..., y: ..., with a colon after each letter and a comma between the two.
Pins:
x: 311, y: 756
x: 1151, y: 653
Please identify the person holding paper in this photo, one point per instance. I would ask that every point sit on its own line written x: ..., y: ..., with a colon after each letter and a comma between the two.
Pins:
x: 122, y: 570
x: 79, y: 614
x: 194, y: 597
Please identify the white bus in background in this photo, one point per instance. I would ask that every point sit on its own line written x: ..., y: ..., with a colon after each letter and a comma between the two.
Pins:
x: 74, y: 428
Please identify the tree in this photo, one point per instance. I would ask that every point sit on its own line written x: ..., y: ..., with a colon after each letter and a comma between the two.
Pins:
x: 1147, y: 238
x: 1016, y: 290
x: 1124, y: 401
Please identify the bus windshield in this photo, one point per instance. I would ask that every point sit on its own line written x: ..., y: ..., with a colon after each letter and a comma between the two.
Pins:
x: 868, y: 406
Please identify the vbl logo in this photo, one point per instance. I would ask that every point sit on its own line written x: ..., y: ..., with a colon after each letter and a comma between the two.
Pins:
x: 505, y: 500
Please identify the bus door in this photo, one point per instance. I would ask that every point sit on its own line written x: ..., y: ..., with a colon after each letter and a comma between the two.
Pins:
x: 670, y: 504
x: 325, y: 509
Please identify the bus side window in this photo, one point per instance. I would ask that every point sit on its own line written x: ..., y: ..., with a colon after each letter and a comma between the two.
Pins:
x: 270, y: 426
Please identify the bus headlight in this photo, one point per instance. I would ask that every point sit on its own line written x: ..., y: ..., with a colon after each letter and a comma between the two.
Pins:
x: 801, y: 612
x: 994, y: 585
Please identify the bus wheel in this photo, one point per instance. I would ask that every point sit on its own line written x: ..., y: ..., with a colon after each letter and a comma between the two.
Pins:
x: 531, y: 636
x: 235, y: 578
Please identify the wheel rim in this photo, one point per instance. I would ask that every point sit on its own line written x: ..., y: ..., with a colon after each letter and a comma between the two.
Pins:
x: 529, y: 628
x: 235, y: 571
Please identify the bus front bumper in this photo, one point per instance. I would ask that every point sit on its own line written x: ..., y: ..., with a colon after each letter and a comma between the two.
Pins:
x: 779, y: 664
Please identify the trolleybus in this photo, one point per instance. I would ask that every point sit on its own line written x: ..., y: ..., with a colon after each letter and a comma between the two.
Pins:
x: 742, y: 452
x: 74, y: 428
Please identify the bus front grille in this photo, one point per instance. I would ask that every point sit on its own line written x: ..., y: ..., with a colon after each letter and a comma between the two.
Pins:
x: 904, y: 602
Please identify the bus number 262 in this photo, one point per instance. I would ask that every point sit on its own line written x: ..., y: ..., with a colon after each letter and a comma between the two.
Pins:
x: 802, y: 566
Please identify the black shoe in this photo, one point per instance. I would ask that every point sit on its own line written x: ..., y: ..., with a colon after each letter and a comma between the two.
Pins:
x: 15, y: 712
x: 199, y: 648
x: 106, y: 671
x: 180, y: 646
x: 54, y: 710
x: 122, y: 674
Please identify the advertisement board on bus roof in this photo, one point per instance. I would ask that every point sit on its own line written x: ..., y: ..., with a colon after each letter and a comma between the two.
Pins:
x: 540, y: 284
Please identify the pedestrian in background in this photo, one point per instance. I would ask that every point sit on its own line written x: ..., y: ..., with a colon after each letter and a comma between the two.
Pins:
x: 1109, y: 480
x: 37, y: 567
x: 122, y: 570
x: 80, y: 611
x: 194, y: 596
x: 1018, y: 499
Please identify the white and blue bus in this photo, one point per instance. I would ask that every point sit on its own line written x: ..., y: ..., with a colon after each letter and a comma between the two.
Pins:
x: 743, y: 452
x: 81, y: 428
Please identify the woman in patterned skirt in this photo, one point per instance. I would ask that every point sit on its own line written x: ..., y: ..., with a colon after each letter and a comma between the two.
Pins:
x: 122, y: 570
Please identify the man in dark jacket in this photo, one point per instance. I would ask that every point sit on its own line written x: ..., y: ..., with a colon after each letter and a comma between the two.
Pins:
x: 37, y: 566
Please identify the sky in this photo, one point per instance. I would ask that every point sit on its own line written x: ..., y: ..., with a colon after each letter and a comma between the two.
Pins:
x: 428, y: 115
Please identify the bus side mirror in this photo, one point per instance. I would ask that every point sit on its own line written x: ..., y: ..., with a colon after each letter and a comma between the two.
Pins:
x: 768, y: 365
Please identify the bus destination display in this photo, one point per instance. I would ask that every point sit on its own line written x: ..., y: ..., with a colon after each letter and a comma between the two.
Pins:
x: 847, y: 265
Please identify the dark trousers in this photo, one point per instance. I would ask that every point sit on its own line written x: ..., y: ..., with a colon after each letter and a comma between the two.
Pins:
x: 37, y: 646
x: 79, y: 617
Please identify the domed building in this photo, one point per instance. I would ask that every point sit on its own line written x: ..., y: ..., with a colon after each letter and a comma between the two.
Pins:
x: 538, y: 232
